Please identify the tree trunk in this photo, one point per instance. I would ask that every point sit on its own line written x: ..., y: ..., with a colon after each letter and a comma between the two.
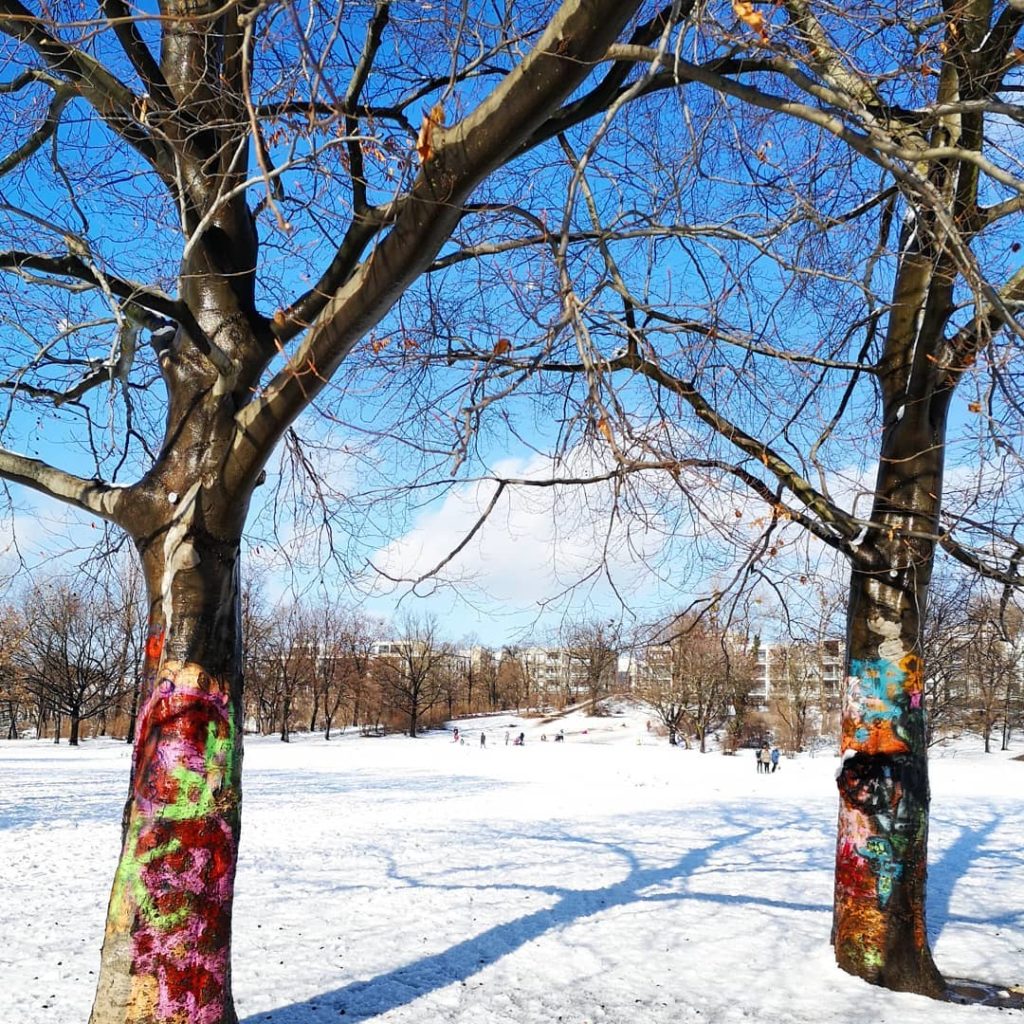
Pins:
x: 133, y: 711
x: 328, y: 719
x: 881, y: 854
x: 76, y: 722
x: 166, y: 950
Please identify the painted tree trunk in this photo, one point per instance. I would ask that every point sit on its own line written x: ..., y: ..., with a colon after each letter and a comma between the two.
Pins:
x: 879, y: 928
x: 167, y: 945
x: 882, y: 849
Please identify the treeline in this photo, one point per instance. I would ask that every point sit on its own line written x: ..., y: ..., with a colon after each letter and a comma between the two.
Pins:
x: 319, y: 665
x: 71, y: 661
x: 71, y: 653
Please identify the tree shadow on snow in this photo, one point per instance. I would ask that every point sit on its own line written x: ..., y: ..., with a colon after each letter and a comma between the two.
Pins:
x: 952, y: 864
x: 969, y: 849
x: 641, y: 885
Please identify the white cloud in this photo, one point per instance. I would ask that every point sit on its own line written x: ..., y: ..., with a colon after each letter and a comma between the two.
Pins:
x: 536, y: 541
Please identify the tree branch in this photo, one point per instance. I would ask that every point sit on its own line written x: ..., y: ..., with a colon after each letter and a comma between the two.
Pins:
x: 93, y: 496
x: 120, y: 17
x: 115, y: 103
x: 75, y: 267
x: 62, y: 95
x: 459, y: 158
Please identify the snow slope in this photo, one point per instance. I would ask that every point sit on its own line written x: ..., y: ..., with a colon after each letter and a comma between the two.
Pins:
x: 605, y: 880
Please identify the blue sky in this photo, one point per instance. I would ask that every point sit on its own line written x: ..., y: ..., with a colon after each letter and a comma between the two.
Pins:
x: 510, y: 578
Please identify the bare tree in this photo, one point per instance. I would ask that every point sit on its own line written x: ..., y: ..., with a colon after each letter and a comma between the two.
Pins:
x: 339, y: 645
x: 992, y: 676
x: 147, y: 318
x: 289, y: 662
x: 833, y: 276
x: 484, y: 666
x: 592, y: 651
x: 15, y: 692
x: 695, y: 675
x: 510, y: 685
x: 359, y: 636
x: 946, y: 643
x: 74, y: 657
x: 796, y: 691
x: 413, y: 669
x: 123, y: 583
x: 973, y: 645
x: 257, y: 627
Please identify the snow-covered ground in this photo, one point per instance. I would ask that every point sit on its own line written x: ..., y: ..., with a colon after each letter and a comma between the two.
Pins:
x: 605, y: 880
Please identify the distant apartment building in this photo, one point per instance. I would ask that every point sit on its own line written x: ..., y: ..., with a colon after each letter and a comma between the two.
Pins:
x: 802, y: 663
x: 458, y: 661
x: 553, y: 674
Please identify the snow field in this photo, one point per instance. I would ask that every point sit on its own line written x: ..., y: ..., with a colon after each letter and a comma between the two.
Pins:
x: 606, y: 880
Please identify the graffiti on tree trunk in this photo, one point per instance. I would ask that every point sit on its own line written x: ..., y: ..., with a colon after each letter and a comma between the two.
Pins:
x: 882, y: 820
x: 882, y: 697
x: 175, y: 879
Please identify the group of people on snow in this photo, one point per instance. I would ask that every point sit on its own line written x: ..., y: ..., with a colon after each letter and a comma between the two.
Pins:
x: 458, y: 737
x: 767, y: 760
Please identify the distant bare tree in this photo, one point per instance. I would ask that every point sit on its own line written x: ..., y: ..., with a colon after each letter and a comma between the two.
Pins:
x: 695, y: 674
x: 484, y: 675
x: 15, y: 693
x: 342, y: 641
x: 126, y: 591
x: 257, y: 632
x: 796, y: 690
x: 412, y: 672
x: 946, y: 643
x: 288, y: 663
x: 358, y: 685
x: 975, y: 644
x: 592, y: 648
x: 75, y: 656
x: 992, y: 680
x: 513, y: 683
